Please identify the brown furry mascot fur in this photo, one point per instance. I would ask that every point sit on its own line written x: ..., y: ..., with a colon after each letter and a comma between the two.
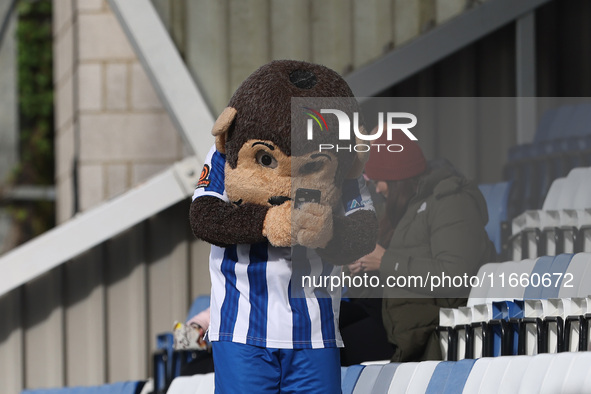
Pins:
x: 262, y: 171
x: 276, y: 208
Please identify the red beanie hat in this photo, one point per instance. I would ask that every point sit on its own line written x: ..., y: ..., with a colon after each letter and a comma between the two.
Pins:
x: 398, y: 163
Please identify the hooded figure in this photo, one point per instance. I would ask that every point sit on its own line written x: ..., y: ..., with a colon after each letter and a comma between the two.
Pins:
x: 433, y: 224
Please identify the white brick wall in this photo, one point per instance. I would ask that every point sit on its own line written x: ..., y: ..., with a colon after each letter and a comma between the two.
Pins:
x: 143, y: 96
x: 142, y: 172
x: 116, y: 84
x: 127, y: 136
x: 90, y: 5
x: 91, y: 191
x: 90, y: 90
x: 107, y: 113
x: 117, y: 179
x: 101, y: 38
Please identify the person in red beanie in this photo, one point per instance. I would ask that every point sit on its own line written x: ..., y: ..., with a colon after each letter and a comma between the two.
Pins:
x: 432, y: 223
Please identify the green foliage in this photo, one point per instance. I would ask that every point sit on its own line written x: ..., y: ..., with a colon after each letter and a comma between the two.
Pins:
x: 35, y: 92
x: 35, y: 54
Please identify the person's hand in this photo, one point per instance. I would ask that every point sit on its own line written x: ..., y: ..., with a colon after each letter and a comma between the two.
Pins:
x: 370, y: 262
x: 355, y: 267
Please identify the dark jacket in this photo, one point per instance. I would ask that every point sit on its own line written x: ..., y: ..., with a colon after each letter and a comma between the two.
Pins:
x: 442, y: 231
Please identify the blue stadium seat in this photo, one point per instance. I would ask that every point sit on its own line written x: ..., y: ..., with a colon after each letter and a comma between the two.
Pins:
x: 560, y: 121
x: 542, y: 266
x: 385, y: 377
x: 367, y: 379
x: 450, y: 377
x: 562, y: 141
x: 544, y: 129
x: 497, y: 198
x: 542, y: 373
x: 580, y: 120
x: 559, y: 266
x: 350, y: 380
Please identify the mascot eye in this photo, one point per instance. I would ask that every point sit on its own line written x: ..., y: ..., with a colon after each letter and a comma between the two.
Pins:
x: 311, y: 168
x: 265, y: 159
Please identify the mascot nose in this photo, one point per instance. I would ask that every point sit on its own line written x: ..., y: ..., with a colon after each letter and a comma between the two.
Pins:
x: 278, y: 200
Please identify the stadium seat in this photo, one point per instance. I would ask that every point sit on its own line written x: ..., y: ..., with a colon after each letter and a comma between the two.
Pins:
x: 541, y: 267
x: 562, y: 225
x: 478, y: 295
x: 553, y: 196
x: 367, y: 379
x: 531, y: 330
x: 450, y: 377
x: 476, y: 382
x: 533, y: 376
x: 510, y: 372
x: 578, y: 376
x: 349, y: 381
x: 497, y: 198
x: 535, y: 312
x: 514, y: 290
x: 417, y: 379
x: 568, y: 372
x: 553, y: 123
x: 579, y: 120
x: 562, y: 141
x: 385, y: 378
x: 196, y: 384
x: 491, y: 289
x: 576, y: 325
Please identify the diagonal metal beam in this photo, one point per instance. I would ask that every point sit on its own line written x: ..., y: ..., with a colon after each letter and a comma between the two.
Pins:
x: 167, y: 72
x: 97, y: 225
x: 437, y: 44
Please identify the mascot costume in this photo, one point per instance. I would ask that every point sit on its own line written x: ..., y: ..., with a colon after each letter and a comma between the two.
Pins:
x: 277, y: 211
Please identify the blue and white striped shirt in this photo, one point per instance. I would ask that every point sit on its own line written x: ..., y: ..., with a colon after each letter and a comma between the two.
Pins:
x: 254, y: 299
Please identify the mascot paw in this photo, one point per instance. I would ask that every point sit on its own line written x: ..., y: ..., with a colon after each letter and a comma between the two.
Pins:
x: 277, y: 225
x: 312, y: 225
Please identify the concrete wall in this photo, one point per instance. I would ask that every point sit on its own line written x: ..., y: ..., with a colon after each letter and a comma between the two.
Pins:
x: 226, y: 40
x: 111, y: 129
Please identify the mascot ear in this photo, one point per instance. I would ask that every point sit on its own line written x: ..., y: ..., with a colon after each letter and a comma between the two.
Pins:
x: 221, y: 127
x: 358, y: 161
